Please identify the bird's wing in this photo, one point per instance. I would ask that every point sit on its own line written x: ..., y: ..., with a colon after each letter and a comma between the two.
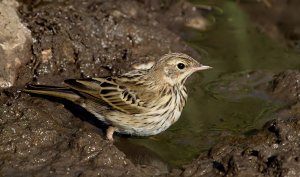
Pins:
x: 107, y: 91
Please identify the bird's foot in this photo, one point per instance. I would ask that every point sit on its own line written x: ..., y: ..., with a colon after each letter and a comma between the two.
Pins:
x: 110, y: 133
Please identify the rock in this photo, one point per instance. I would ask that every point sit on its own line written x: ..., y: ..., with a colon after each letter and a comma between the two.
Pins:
x: 286, y: 86
x: 15, y: 43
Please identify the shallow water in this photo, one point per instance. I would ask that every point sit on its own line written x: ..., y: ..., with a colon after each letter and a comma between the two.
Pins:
x: 230, y: 98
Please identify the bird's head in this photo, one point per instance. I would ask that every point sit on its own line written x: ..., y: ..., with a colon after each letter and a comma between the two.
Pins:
x: 175, y: 68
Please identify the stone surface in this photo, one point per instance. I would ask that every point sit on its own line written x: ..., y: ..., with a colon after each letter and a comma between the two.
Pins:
x: 15, y: 43
x: 286, y: 86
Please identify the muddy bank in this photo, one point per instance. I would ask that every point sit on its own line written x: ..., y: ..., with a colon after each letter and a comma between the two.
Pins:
x: 272, y: 152
x: 80, y: 39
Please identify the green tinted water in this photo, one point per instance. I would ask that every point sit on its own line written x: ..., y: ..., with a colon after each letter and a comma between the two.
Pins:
x: 227, y: 98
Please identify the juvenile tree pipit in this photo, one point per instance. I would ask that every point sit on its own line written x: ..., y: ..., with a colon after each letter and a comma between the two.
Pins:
x: 140, y: 102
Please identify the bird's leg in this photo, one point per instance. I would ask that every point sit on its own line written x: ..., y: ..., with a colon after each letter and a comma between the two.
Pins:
x: 109, y: 133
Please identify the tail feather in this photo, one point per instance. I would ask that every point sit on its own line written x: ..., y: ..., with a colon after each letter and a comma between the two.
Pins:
x: 60, y: 92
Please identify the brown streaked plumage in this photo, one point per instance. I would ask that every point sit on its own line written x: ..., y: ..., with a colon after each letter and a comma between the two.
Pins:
x: 140, y: 102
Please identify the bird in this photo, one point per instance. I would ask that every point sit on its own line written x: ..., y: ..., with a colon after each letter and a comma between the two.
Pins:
x: 141, y: 102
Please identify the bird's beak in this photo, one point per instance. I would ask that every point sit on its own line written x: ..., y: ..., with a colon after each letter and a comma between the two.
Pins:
x: 202, y: 67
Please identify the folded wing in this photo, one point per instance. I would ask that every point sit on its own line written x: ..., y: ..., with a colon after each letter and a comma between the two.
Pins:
x: 110, y: 93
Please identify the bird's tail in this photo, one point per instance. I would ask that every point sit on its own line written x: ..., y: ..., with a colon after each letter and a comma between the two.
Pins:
x: 60, y: 92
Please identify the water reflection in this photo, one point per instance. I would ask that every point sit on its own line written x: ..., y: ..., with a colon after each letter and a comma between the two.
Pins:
x: 231, y: 98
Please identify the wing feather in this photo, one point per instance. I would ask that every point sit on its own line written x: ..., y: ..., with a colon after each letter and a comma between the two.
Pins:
x: 110, y: 93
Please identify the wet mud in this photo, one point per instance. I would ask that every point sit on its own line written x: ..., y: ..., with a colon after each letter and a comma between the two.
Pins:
x: 81, y: 39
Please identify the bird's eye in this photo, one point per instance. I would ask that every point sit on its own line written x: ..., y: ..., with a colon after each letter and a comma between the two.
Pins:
x: 180, y: 66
